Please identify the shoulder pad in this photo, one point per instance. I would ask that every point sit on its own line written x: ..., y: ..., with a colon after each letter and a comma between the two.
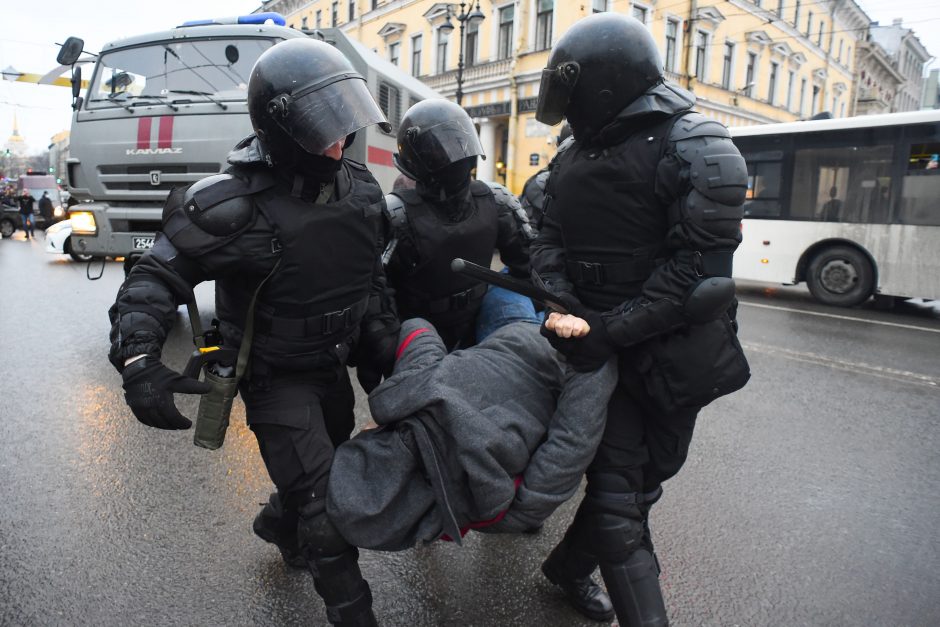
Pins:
x: 715, y: 167
x: 220, y: 204
x: 694, y: 124
x: 395, y: 211
x: 503, y: 197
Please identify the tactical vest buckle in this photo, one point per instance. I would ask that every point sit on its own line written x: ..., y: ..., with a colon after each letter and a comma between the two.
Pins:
x: 461, y: 300
x: 336, y: 320
x: 592, y: 273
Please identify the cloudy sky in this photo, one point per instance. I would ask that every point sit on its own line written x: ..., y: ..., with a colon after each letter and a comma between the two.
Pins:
x: 28, y: 44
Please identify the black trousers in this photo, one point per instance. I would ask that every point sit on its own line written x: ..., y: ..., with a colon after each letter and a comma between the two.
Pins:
x: 298, y: 419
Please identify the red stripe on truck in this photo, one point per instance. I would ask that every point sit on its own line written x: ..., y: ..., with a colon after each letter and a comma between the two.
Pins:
x: 165, y: 137
x: 143, y: 133
x: 380, y: 156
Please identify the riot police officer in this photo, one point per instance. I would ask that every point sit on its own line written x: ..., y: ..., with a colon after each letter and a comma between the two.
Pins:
x: 532, y: 197
x: 447, y: 215
x: 642, y: 216
x: 293, y: 214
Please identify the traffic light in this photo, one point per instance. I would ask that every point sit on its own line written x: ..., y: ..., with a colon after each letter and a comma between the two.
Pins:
x: 51, y: 169
x: 58, y: 181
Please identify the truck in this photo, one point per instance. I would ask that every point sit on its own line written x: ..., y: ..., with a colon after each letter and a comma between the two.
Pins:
x: 163, y: 110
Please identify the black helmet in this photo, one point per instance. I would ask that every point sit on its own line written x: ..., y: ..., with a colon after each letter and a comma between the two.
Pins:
x: 434, y: 134
x: 599, y: 66
x: 305, y: 94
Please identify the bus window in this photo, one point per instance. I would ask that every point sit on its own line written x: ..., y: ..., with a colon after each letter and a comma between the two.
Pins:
x: 763, y: 189
x: 845, y: 184
x: 920, y: 188
x: 390, y: 103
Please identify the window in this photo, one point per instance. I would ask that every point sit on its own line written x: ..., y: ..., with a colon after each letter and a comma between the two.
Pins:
x: 672, y: 34
x: 416, y: 55
x: 802, y: 96
x: 319, y: 18
x: 839, y: 56
x: 443, y: 38
x: 790, y: 82
x: 543, y: 24
x: 780, y: 7
x: 390, y: 103
x: 394, y: 51
x: 812, y: 104
x: 796, y: 13
x: 640, y: 13
x: 701, y: 47
x: 749, y: 74
x: 726, y: 65
x: 334, y: 14
x: 375, y: 4
x: 920, y: 187
x: 848, y: 58
x: 472, y: 41
x: 352, y: 10
x: 303, y: 22
x: 764, y: 167
x: 772, y: 84
x: 819, y: 37
x: 600, y: 6
x: 849, y: 182
x: 809, y: 24
x: 504, y: 40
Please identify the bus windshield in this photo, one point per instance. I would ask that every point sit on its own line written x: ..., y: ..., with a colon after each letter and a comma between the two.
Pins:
x: 190, y: 70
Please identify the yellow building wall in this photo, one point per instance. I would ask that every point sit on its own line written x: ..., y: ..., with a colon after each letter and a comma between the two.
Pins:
x: 773, y: 38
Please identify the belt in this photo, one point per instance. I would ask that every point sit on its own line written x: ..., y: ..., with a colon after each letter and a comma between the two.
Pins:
x: 312, y: 326
x: 588, y: 273
x: 708, y: 263
x: 454, y: 302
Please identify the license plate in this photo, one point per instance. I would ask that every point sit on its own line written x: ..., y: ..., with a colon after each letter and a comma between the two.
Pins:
x: 143, y: 243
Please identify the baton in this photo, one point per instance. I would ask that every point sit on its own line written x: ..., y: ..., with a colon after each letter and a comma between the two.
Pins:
x: 462, y: 266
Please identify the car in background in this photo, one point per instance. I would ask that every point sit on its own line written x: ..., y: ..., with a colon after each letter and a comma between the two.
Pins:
x: 59, y: 241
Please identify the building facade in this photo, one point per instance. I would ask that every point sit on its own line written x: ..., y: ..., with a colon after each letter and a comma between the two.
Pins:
x: 747, y: 62
x: 908, y: 57
x: 58, y: 155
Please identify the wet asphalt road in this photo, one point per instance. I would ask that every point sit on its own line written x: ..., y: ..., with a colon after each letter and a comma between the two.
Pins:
x: 809, y: 498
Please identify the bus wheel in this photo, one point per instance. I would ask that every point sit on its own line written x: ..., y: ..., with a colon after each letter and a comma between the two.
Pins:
x: 841, y: 276
x: 6, y: 227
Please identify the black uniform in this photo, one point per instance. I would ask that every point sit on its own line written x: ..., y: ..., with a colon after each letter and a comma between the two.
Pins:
x: 641, y: 219
x: 301, y: 232
x: 430, y: 233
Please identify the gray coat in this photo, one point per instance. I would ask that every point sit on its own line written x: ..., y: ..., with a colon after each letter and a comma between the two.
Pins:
x: 457, y: 433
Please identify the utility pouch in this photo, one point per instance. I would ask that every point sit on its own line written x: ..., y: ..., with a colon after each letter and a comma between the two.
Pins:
x: 689, y: 369
x: 215, y: 406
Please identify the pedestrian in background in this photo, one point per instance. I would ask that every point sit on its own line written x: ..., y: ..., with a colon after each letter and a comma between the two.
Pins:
x: 26, y: 213
x: 45, y: 208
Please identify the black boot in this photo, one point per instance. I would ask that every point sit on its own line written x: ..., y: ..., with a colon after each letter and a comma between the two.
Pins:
x: 572, y: 573
x: 347, y: 595
x: 272, y: 526
x: 634, y: 590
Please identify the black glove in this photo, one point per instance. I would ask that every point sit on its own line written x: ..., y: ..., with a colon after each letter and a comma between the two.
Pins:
x: 149, y: 388
x: 589, y: 352
x: 377, y: 361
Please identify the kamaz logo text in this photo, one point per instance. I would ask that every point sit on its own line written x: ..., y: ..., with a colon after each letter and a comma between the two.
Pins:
x: 145, y: 138
x: 153, y: 151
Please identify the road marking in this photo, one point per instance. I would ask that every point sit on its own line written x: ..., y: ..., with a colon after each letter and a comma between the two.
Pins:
x: 857, y: 367
x: 838, y: 317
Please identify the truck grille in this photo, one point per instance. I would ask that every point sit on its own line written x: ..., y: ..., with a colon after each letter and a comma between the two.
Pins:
x: 121, y: 177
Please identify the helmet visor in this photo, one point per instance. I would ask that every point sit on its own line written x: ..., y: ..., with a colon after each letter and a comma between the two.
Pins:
x: 443, y: 144
x: 555, y: 91
x: 317, y: 116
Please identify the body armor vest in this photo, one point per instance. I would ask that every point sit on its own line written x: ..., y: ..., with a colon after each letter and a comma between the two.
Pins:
x: 318, y: 295
x: 604, y: 202
x: 424, y: 284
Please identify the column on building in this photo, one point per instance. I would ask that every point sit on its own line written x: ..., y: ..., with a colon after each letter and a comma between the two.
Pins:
x: 486, y: 168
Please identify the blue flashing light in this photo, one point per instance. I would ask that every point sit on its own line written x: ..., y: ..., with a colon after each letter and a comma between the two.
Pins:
x: 261, y: 18
x: 255, y: 18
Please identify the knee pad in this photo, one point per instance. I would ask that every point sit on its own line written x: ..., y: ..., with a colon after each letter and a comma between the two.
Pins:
x: 317, y: 537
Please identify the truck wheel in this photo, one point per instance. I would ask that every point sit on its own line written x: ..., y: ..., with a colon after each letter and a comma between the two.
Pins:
x: 841, y: 276
x: 74, y: 255
x: 6, y: 227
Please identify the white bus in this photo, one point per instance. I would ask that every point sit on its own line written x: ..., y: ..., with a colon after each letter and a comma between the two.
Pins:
x: 851, y: 206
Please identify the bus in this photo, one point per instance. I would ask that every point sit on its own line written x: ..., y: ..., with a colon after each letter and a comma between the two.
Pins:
x: 851, y: 206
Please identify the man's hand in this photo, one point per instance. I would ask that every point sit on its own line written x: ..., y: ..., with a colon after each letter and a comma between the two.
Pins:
x: 580, y: 336
x: 149, y: 388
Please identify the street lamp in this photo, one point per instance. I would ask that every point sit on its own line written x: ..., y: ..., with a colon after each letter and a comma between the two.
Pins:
x: 473, y: 17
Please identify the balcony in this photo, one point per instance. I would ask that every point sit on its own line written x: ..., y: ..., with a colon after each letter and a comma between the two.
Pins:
x: 446, y: 83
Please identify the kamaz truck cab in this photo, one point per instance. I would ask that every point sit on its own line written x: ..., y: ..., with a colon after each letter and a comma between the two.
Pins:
x: 163, y: 110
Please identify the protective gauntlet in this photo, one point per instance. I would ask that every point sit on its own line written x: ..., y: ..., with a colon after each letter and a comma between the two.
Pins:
x: 149, y: 388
